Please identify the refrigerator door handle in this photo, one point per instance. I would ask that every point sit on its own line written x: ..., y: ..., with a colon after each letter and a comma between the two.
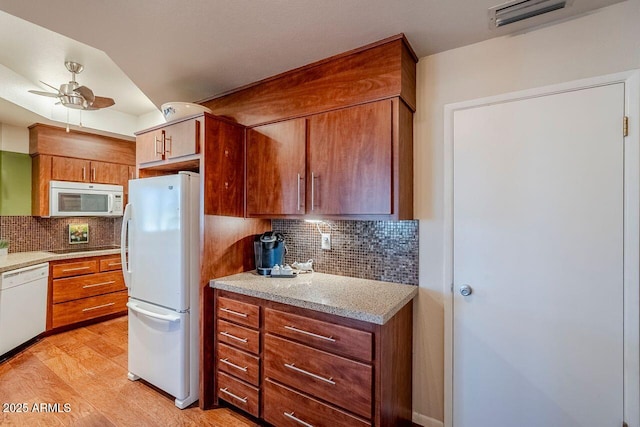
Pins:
x: 124, y: 245
x: 167, y: 317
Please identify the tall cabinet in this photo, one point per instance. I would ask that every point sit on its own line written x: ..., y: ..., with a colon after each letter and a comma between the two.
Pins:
x: 213, y: 147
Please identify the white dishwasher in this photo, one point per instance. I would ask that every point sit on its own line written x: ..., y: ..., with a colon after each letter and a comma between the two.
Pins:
x: 23, y: 305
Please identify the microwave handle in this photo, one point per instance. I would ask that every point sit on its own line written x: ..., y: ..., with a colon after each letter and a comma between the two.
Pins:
x: 110, y: 203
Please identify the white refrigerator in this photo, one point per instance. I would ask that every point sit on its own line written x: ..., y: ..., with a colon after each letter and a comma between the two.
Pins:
x: 161, y: 266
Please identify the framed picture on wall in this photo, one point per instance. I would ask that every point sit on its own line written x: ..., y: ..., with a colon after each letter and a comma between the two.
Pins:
x: 78, y: 233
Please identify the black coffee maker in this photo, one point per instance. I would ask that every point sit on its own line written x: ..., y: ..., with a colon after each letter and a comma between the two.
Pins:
x: 269, y: 249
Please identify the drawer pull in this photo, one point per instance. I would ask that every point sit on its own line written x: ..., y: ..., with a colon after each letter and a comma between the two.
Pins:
x: 233, y: 365
x: 98, y: 306
x: 111, y: 264
x: 99, y: 284
x: 311, y: 374
x: 235, y: 313
x: 241, y: 399
x: 296, y: 419
x: 233, y: 337
x: 311, y: 334
x: 75, y: 269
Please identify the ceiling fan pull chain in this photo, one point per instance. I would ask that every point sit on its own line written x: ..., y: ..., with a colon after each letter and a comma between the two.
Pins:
x: 67, y: 120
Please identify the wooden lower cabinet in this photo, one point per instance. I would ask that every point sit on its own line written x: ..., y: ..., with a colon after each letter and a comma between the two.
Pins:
x: 85, y: 289
x: 314, y: 368
x: 286, y: 407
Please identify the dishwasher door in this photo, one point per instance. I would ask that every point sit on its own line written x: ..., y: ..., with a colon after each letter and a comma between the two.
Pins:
x: 23, y: 305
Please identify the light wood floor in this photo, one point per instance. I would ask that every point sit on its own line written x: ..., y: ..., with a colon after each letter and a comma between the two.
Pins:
x: 87, y: 369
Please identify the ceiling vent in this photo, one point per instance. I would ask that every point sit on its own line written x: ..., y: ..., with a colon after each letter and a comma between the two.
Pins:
x: 518, y: 10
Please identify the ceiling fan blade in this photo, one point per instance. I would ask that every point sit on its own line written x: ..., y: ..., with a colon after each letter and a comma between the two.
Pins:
x: 47, y: 84
x: 86, y: 93
x: 101, y: 102
x: 39, y: 92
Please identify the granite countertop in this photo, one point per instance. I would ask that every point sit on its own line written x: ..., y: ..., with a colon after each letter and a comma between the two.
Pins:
x: 362, y: 299
x: 25, y: 259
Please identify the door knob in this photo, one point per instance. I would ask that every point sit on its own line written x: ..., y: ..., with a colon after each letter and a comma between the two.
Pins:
x: 465, y: 290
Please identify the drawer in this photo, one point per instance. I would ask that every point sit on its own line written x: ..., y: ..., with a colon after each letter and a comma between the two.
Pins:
x: 238, y: 336
x: 239, y: 364
x: 238, y: 393
x: 88, y: 285
x: 338, y: 380
x: 111, y: 263
x: 285, y: 407
x: 239, y: 312
x: 323, y: 335
x: 74, y: 268
x: 88, y: 308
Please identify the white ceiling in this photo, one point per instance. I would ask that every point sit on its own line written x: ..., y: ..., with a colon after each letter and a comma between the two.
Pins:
x: 143, y: 53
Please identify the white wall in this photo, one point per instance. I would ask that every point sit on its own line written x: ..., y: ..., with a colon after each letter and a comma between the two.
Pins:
x: 603, y: 42
x: 14, y: 138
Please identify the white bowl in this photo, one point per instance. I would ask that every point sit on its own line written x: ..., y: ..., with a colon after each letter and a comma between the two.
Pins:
x: 177, y: 110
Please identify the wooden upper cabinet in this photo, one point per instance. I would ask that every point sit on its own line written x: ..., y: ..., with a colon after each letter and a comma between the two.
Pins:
x: 109, y: 173
x: 276, y: 169
x: 169, y: 142
x: 182, y: 139
x: 68, y: 169
x: 149, y: 147
x: 224, y: 168
x: 350, y: 166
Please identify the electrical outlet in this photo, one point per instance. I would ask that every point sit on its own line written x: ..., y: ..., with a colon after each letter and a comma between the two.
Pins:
x: 326, y: 241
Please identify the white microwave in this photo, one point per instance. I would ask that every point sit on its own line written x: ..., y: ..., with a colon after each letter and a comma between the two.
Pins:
x: 84, y: 199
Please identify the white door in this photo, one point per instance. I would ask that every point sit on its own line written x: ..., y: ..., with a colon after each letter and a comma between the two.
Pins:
x: 157, y: 235
x: 538, y: 237
x: 158, y: 347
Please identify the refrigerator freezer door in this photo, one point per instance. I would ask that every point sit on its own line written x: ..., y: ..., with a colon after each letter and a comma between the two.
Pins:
x: 158, y: 241
x: 158, y: 347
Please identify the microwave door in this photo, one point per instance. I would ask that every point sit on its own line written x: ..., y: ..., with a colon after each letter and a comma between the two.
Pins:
x: 69, y: 202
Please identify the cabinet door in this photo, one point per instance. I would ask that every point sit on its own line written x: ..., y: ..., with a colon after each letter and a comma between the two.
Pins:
x: 224, y: 169
x: 276, y: 168
x: 108, y: 173
x: 350, y: 161
x: 67, y: 169
x: 149, y: 147
x: 182, y: 139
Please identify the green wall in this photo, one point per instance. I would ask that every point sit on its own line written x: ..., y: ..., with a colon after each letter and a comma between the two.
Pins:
x: 15, y: 183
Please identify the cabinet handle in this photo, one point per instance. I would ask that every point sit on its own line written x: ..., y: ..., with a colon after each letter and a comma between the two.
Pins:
x: 313, y: 191
x: 298, y: 191
x: 164, y: 148
x: 311, y: 334
x: 241, y: 399
x: 233, y: 337
x: 293, y: 366
x: 98, y: 306
x: 99, y: 284
x: 296, y: 419
x: 111, y: 264
x: 233, y: 365
x: 156, y: 145
x: 93, y: 174
x: 235, y: 313
x: 75, y: 269
x: 84, y: 173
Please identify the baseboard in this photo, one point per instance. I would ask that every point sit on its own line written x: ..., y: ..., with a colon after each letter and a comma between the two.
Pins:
x: 424, y: 421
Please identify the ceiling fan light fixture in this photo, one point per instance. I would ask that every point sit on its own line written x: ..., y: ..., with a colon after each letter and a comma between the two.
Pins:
x: 73, y: 95
x: 519, y: 10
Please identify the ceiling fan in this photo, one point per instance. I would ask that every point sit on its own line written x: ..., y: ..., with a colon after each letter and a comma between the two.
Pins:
x: 72, y: 95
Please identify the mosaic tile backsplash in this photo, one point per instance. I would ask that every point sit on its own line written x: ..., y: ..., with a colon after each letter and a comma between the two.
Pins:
x: 31, y: 233
x: 378, y: 250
